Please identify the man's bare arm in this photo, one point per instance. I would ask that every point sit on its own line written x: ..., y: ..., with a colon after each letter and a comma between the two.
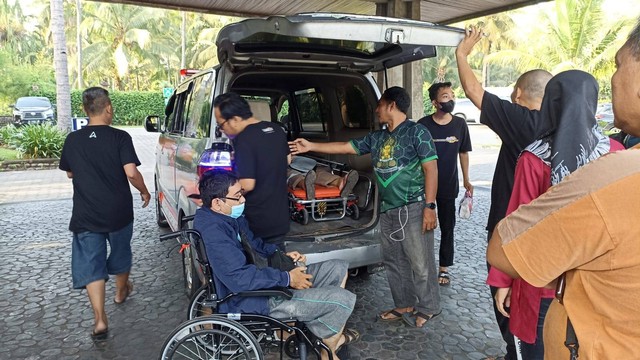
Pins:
x: 300, y: 146
x: 136, y: 179
x: 472, y: 87
x: 497, y: 257
x: 248, y: 184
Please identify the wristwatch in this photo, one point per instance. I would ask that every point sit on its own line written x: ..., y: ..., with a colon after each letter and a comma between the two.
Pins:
x: 430, y: 205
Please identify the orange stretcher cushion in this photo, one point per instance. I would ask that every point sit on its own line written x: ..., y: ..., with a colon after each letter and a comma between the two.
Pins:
x: 322, y: 192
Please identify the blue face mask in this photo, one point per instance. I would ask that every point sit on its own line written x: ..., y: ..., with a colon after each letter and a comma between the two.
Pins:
x: 236, y: 210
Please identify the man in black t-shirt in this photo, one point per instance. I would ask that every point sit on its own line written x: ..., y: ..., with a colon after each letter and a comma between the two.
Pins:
x: 517, y: 124
x: 102, y: 162
x: 261, y: 156
x: 451, y: 136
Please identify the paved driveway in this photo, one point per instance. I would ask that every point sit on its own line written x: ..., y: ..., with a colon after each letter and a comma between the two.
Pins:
x: 43, y: 318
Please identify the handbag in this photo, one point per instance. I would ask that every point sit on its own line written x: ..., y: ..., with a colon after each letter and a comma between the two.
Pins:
x: 281, y: 261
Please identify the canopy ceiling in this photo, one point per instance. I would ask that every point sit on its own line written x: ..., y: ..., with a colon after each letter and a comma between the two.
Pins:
x: 436, y: 11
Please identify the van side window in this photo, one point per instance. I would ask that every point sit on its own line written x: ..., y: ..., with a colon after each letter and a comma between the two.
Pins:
x: 309, y: 106
x: 175, y: 120
x: 197, y: 102
x: 356, y: 111
x: 185, y: 116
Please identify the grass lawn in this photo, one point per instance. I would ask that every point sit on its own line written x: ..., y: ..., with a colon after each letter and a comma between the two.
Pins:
x: 8, y: 154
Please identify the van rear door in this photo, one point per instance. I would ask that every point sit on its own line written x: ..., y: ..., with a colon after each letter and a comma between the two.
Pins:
x: 360, y: 43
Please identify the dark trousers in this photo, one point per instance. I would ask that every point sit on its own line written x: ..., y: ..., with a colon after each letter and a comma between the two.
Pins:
x: 503, y: 323
x: 536, y: 351
x: 447, y: 222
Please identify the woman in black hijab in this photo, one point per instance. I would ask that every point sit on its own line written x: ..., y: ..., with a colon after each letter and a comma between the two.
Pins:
x: 573, y: 139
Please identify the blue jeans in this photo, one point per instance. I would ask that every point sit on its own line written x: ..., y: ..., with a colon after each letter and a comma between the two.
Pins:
x: 536, y: 351
x: 89, y: 260
x: 409, y: 259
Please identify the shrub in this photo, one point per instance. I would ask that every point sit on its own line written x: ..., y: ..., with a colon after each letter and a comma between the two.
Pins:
x: 39, y: 141
x: 7, y: 133
x: 130, y: 108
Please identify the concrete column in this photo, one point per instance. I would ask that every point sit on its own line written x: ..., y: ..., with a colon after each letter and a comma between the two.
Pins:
x: 408, y: 76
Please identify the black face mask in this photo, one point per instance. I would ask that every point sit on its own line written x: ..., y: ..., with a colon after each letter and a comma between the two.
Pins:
x: 448, y: 106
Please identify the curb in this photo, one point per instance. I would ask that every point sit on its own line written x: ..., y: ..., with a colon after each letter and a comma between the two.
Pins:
x: 29, y: 164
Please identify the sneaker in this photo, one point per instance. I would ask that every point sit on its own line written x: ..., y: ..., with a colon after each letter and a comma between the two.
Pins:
x: 350, y: 182
x: 310, y: 184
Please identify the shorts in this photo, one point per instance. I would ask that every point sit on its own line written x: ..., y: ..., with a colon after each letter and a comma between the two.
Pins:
x: 89, y: 260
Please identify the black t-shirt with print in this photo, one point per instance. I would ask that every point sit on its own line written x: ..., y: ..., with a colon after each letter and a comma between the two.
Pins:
x: 450, y: 140
x: 261, y: 153
x: 517, y: 127
x: 102, y: 200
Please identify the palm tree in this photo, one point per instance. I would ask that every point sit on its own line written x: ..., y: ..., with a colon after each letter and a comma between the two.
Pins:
x: 574, y: 35
x: 118, y: 33
x: 63, y: 89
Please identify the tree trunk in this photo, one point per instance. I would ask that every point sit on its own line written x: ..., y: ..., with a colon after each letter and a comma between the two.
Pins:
x: 183, y: 33
x: 63, y: 89
x: 79, y: 42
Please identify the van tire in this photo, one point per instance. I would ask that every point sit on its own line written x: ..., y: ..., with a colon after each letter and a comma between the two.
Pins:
x: 160, y: 219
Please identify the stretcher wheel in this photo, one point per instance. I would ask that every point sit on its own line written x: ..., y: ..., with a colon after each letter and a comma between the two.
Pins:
x: 303, y: 216
x: 354, y: 211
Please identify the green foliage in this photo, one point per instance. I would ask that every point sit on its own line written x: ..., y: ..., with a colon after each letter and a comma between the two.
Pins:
x: 7, y: 133
x: 19, y: 80
x: 130, y: 108
x: 38, y: 141
x: 8, y: 154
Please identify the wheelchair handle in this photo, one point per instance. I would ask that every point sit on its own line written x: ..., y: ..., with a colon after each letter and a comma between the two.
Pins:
x: 180, y: 234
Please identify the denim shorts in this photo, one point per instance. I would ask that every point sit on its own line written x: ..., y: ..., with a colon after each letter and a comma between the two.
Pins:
x: 89, y: 260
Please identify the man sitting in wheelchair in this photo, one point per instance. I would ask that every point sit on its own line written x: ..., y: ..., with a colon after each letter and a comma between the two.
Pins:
x: 319, y: 298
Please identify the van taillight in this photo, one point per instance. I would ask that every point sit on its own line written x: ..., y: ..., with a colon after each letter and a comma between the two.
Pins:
x: 219, y: 156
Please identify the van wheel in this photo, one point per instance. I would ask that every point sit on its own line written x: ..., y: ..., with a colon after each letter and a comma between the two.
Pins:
x: 160, y: 219
x: 190, y: 275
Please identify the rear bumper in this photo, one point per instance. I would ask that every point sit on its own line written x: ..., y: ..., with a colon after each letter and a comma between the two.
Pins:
x: 358, y: 252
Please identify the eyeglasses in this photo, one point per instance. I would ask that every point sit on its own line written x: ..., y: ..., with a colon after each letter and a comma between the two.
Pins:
x: 221, y: 125
x: 232, y: 198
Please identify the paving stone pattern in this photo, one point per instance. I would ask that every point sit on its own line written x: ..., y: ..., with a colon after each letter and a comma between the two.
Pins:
x: 42, y: 317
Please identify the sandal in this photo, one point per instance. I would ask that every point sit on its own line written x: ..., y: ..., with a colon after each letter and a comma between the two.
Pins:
x: 128, y: 291
x: 443, y: 278
x: 396, y: 315
x: 411, y: 319
x: 350, y: 336
x: 100, y: 335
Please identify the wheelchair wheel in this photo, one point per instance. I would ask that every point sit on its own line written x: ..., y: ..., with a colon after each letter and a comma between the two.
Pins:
x: 211, y: 338
x: 197, y: 308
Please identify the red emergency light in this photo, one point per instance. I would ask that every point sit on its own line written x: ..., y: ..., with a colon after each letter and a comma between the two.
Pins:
x: 188, y: 72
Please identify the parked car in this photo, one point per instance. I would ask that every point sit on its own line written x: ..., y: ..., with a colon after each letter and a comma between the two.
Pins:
x: 604, y: 116
x: 33, y: 110
x: 467, y: 110
x: 310, y: 74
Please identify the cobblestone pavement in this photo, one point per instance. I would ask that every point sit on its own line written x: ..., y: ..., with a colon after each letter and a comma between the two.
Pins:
x: 42, y: 317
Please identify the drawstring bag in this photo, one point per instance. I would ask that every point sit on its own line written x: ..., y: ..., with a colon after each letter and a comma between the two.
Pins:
x: 465, y: 206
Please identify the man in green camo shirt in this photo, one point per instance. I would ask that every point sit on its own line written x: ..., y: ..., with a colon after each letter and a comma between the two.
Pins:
x: 403, y: 157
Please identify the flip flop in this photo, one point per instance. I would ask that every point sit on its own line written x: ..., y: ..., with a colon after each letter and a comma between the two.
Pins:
x: 397, y: 315
x: 410, y: 319
x: 129, y: 290
x: 444, y: 279
x: 100, y: 335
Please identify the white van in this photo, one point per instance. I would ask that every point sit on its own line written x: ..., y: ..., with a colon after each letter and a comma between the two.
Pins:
x: 311, y: 74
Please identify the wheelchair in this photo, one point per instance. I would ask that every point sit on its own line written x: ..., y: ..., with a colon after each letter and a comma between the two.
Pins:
x: 210, y: 335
